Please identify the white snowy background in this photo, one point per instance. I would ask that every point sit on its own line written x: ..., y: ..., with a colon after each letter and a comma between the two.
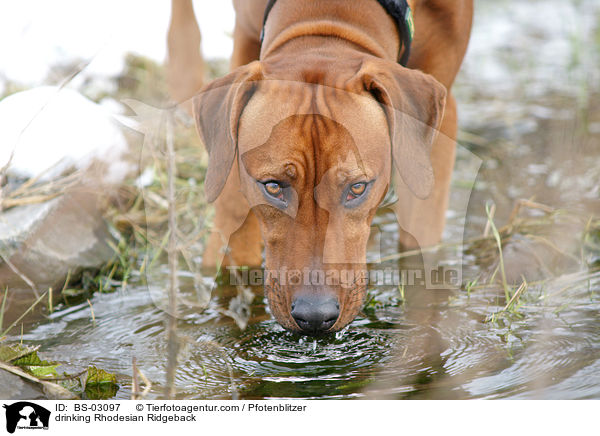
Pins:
x: 36, y: 34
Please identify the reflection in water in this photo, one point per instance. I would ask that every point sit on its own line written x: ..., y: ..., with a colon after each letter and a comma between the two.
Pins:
x: 530, y: 109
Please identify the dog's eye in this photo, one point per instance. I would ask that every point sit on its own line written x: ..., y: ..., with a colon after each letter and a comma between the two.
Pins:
x: 274, y: 190
x: 356, y: 190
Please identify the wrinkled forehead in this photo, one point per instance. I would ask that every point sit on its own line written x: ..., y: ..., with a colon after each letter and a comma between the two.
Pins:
x: 302, y: 115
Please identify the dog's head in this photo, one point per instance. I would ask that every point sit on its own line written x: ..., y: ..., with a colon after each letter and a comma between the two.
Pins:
x: 315, y: 156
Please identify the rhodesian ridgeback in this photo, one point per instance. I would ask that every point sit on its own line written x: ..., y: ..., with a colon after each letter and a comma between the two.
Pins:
x: 315, y: 123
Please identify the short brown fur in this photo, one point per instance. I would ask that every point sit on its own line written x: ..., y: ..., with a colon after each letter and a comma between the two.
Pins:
x: 320, y: 104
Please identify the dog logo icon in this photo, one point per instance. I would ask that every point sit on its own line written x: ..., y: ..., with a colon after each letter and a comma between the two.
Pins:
x: 26, y: 415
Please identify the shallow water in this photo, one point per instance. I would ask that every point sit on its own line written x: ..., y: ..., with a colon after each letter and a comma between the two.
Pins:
x: 530, y: 114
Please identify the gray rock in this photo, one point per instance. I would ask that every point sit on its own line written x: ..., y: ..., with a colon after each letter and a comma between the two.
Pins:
x: 13, y: 387
x: 46, y: 241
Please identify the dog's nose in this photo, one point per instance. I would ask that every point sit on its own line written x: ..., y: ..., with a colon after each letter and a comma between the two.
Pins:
x: 315, y: 313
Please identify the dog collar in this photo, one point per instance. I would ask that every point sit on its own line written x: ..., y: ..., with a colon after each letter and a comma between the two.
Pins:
x: 399, y: 10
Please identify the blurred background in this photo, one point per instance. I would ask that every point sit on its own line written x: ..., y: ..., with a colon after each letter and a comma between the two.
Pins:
x: 42, y: 36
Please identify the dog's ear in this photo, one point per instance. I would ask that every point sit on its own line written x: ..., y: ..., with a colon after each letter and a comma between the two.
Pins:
x: 217, y: 111
x: 414, y: 104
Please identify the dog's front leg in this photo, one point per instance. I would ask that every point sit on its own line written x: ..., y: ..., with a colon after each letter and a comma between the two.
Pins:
x: 422, y: 221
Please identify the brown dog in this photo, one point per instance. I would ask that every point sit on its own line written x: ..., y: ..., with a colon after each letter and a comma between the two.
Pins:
x: 302, y: 134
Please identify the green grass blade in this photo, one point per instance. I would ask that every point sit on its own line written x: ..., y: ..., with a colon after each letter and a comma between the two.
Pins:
x: 24, y: 313
x: 499, y: 244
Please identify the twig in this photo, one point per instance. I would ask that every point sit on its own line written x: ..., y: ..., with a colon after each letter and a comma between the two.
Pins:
x: 486, y: 231
x: 173, y: 341
x: 135, y: 392
x: 530, y: 204
x: 135, y: 387
x: 147, y: 383
x: 3, y: 307
x: 66, y: 377
x: 9, y: 328
x: 552, y: 245
x: 67, y: 280
x: 584, y: 236
x: 33, y: 199
x: 21, y: 275
x: 501, y: 257
x: 92, y: 310
x: 62, y: 183
x: 515, y: 296
x: 50, y: 303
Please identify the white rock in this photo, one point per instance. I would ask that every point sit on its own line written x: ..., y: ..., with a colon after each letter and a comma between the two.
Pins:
x: 51, y: 129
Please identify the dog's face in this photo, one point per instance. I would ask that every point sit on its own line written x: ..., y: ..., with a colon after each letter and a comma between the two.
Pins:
x: 314, y: 173
x: 314, y: 164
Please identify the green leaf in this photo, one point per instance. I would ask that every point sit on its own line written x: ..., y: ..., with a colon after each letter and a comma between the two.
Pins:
x: 31, y: 359
x: 43, y: 371
x: 100, y: 385
x: 36, y: 366
x: 95, y: 376
x: 11, y: 352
